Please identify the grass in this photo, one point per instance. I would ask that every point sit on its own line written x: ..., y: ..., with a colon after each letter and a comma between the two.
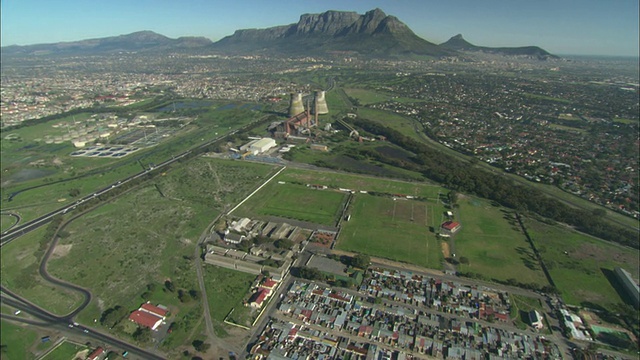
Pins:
x: 566, y: 128
x: 6, y: 222
x: 494, y: 244
x: 65, y: 351
x: 148, y: 236
x: 396, y: 230
x: 366, y: 97
x: 19, y: 273
x: 295, y: 201
x: 521, y: 305
x: 402, y: 124
x: 584, y: 274
x: 225, y: 290
x: 625, y: 121
x: 360, y: 182
x: 544, y: 97
x: 18, y: 340
x: 28, y: 161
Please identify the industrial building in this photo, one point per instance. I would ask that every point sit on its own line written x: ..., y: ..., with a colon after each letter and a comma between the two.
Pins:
x: 629, y: 285
x: 258, y: 146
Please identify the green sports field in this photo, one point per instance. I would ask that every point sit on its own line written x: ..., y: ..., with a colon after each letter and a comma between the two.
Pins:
x: 393, y: 229
x: 294, y: 201
x: 494, y: 244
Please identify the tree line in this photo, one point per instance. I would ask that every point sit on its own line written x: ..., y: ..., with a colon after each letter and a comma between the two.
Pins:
x: 458, y: 175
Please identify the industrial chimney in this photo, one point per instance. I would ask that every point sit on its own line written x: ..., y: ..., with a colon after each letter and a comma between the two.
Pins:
x: 295, y: 105
x: 321, y: 103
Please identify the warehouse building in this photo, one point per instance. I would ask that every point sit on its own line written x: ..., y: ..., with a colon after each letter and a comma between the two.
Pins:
x: 258, y: 146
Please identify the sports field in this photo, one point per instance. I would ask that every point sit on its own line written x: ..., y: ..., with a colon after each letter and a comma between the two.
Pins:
x: 494, y: 244
x: 393, y: 229
x: 294, y: 201
x: 360, y: 183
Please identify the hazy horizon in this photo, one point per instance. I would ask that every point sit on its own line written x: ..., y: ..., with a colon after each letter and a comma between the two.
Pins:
x: 587, y: 28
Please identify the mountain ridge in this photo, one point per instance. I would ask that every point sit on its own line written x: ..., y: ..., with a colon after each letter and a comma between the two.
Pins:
x: 459, y: 43
x: 372, y: 34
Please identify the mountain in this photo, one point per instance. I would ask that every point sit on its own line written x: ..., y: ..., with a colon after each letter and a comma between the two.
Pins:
x: 458, y: 43
x: 372, y: 34
x: 137, y: 41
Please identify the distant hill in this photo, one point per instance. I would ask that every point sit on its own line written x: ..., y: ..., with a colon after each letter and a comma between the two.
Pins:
x: 458, y: 43
x: 373, y: 34
x: 137, y: 41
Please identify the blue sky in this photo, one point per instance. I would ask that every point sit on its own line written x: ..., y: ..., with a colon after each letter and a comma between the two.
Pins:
x: 581, y: 27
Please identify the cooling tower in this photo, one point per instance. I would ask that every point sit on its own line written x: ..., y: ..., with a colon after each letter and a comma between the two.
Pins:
x: 295, y: 105
x: 321, y: 103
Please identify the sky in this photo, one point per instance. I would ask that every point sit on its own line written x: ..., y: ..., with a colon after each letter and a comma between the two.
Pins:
x: 563, y: 27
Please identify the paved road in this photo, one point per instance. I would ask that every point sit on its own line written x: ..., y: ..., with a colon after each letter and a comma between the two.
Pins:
x: 62, y: 324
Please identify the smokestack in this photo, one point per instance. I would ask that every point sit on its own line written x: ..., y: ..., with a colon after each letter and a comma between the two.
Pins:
x: 295, y: 105
x: 315, y: 107
x: 321, y: 103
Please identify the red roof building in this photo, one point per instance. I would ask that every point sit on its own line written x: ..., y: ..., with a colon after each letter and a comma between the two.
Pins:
x: 154, y: 310
x: 145, y: 319
x: 96, y: 354
x: 450, y: 226
x: 258, y: 298
x: 269, y: 283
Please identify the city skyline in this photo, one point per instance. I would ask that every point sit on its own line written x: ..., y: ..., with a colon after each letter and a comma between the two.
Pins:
x: 568, y: 27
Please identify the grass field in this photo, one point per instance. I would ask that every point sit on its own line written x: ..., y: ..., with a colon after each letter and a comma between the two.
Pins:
x: 28, y: 161
x: 147, y: 236
x: 360, y: 182
x: 225, y: 291
x: 19, y: 273
x: 402, y: 124
x: 65, y: 351
x: 18, y: 340
x: 295, y: 201
x: 583, y: 275
x: 367, y: 97
x: 396, y: 230
x: 494, y: 244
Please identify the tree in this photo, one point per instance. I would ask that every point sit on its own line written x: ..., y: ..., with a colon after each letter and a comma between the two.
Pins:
x: 464, y: 260
x: 195, y: 294
x: 361, y: 261
x: 74, y: 192
x: 283, y: 244
x: 200, y: 345
x: 142, y: 334
x: 169, y: 286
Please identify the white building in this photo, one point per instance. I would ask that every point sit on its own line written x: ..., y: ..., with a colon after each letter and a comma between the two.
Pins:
x: 258, y: 146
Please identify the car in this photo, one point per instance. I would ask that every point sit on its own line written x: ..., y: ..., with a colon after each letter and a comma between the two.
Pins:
x: 86, y: 331
x: 76, y: 324
x: 124, y: 354
x: 17, y: 312
x: 70, y: 325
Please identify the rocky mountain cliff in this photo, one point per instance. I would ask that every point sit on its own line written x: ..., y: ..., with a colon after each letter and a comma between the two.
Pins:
x: 373, y: 33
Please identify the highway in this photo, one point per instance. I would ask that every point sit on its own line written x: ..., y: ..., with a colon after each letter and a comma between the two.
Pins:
x: 65, y: 325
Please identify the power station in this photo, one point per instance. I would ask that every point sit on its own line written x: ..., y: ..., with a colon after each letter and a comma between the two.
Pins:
x: 295, y: 105
x: 300, y: 120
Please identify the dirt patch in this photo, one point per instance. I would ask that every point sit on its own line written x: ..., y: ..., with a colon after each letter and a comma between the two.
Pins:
x: 445, y: 250
x: 591, y: 251
x: 61, y: 251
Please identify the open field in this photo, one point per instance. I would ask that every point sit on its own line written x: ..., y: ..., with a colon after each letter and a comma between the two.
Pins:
x: 6, y: 222
x: 65, y: 351
x: 366, y: 97
x: 402, y: 124
x: 19, y: 340
x: 397, y: 230
x: 225, y: 290
x: 148, y: 236
x: 295, y: 201
x: 28, y: 161
x: 494, y: 244
x: 360, y: 182
x: 19, y: 273
x: 582, y: 275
